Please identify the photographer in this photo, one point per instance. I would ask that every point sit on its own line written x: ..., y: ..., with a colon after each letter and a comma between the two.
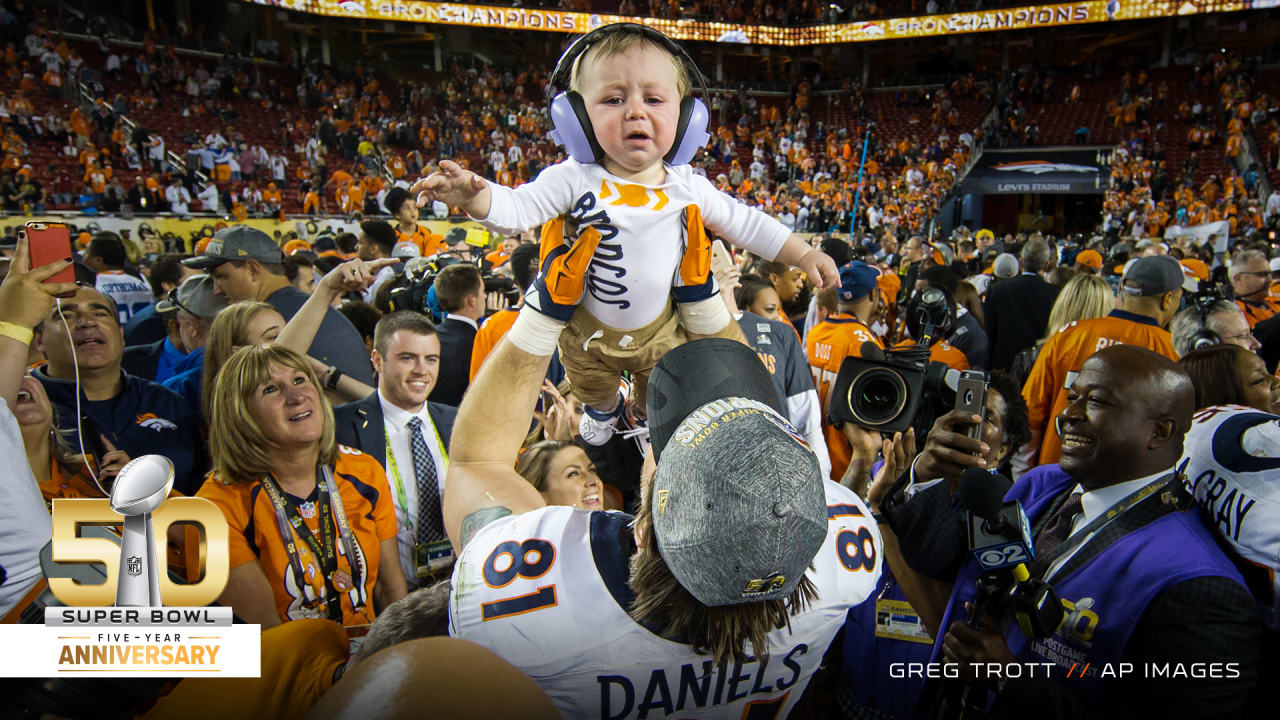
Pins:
x: 871, y: 642
x: 1124, y: 420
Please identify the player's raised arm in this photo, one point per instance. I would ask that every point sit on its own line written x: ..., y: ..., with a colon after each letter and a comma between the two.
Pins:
x: 481, y: 484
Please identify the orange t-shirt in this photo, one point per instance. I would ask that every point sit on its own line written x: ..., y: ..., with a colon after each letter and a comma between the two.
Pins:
x: 488, y: 335
x: 256, y: 535
x: 941, y: 351
x: 427, y: 243
x: 1063, y: 354
x: 830, y: 342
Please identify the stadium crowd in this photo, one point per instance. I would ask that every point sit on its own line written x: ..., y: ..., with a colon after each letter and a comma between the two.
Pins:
x: 438, y: 397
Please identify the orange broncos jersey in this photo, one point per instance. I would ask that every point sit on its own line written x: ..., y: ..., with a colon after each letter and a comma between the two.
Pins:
x: 941, y: 351
x: 1257, y: 312
x: 488, y: 335
x: 1061, y: 357
x: 830, y: 342
x: 255, y: 535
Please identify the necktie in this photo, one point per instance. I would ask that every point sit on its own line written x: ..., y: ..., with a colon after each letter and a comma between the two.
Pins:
x: 430, y: 520
x: 1059, y: 527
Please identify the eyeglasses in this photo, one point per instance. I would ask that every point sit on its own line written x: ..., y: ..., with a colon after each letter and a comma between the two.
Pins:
x: 1266, y: 274
x: 1245, y: 338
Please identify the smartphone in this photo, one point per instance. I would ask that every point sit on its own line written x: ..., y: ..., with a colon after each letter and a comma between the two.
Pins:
x: 720, y: 257
x: 49, y: 243
x: 971, y: 396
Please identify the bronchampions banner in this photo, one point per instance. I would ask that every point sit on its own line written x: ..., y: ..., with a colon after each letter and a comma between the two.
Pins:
x: 1037, y: 171
x: 1021, y: 18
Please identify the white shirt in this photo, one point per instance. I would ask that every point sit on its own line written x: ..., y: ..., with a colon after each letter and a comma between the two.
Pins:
x: 396, y: 425
x: 636, y: 263
x: 383, y: 275
x: 463, y: 318
x: 208, y: 198
x: 179, y: 199
x: 130, y: 294
x: 25, y: 526
x: 1273, y: 204
x: 570, y: 637
x: 1096, y: 502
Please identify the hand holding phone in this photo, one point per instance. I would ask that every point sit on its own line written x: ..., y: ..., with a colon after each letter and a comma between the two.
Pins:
x: 50, y: 243
x: 971, y: 397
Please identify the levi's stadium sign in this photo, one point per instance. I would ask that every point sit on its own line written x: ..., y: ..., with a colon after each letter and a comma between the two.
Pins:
x: 1020, y: 18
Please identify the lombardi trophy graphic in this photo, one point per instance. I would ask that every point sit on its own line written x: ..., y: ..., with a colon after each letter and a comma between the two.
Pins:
x: 140, y: 488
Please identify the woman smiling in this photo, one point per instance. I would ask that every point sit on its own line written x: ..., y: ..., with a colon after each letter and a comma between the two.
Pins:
x: 312, y: 523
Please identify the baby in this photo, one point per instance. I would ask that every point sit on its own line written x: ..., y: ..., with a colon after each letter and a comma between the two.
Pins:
x: 624, y: 231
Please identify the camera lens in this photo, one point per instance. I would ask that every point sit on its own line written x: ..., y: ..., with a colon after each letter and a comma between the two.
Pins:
x: 877, y: 396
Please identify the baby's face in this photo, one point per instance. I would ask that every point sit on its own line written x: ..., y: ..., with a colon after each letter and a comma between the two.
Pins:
x: 634, y: 106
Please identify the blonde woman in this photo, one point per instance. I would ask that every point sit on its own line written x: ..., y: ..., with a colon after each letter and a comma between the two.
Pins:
x: 1085, y: 296
x: 313, y: 529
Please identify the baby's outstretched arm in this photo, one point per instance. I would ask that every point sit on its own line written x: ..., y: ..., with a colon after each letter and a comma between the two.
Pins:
x: 455, y: 187
x: 816, y: 264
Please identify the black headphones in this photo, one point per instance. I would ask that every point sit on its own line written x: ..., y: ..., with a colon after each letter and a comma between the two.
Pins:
x: 572, y: 126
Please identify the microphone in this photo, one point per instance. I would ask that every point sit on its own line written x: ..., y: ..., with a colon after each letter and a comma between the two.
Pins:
x: 999, y: 534
x: 1000, y: 540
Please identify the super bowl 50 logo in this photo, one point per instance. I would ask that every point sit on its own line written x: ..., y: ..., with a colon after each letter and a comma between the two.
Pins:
x: 134, y: 565
x: 119, y: 626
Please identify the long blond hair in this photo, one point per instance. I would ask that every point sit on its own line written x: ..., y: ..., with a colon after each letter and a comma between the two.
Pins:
x: 1084, y: 297
x: 227, y: 331
x: 241, y: 451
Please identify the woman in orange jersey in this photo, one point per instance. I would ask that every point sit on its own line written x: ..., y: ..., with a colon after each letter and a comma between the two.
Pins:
x: 313, y: 530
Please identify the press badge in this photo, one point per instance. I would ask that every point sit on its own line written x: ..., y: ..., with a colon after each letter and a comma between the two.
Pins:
x: 432, y: 557
x: 896, y: 619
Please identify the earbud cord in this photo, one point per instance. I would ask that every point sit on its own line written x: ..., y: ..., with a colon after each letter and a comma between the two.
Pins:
x: 75, y: 363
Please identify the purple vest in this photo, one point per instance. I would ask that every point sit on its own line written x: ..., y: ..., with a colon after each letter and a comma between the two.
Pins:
x: 1107, y: 595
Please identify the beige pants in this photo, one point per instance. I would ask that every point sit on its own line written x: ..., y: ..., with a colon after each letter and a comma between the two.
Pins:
x: 594, y: 354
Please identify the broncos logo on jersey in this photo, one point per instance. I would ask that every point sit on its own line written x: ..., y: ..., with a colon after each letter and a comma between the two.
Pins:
x: 154, y: 422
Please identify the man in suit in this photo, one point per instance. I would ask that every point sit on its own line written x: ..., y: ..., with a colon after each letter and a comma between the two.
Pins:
x: 1103, y: 522
x: 406, y: 355
x: 460, y: 291
x: 1017, y: 309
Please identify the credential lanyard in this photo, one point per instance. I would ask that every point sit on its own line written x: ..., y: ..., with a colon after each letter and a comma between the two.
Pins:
x: 402, y: 500
x: 325, y: 547
x: 1087, y: 541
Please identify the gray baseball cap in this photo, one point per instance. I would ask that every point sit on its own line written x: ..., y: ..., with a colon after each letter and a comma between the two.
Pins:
x: 739, y: 510
x: 195, y: 295
x: 1152, y: 275
x: 238, y: 242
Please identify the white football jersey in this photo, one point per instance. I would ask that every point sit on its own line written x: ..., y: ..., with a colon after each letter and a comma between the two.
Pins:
x: 547, y: 590
x: 1233, y: 466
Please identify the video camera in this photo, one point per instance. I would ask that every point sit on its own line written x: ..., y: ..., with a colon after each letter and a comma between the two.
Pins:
x: 894, y: 390
x: 416, y: 294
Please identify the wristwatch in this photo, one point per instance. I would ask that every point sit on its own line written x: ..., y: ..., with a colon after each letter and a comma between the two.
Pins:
x: 331, y: 382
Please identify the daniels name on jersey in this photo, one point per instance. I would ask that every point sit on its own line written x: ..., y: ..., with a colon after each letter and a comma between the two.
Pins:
x: 547, y: 590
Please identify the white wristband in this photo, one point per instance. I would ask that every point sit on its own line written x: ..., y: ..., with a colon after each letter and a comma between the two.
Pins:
x: 535, y: 333
x: 705, y: 317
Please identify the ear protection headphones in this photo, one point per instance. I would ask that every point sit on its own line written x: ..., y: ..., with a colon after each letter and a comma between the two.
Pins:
x: 572, y: 126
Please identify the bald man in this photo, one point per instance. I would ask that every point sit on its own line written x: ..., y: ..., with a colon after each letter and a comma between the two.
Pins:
x: 1141, y: 579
